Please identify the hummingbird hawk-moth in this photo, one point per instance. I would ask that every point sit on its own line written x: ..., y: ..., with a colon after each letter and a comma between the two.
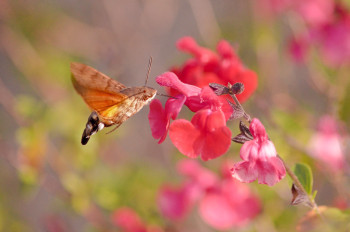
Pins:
x: 111, y: 102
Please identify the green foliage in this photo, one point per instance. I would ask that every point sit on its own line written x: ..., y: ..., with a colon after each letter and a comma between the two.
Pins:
x: 304, y: 174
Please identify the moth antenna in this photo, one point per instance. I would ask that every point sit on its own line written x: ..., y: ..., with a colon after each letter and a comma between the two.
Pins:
x: 163, y: 95
x: 149, y: 69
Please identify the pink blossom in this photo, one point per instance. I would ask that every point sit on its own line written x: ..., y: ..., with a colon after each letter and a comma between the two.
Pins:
x: 230, y: 204
x: 223, y: 202
x: 174, y: 202
x: 326, y: 144
x: 206, y: 135
x: 260, y: 159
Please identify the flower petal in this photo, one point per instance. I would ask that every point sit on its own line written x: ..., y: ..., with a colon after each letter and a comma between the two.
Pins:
x: 174, y: 105
x: 158, y: 120
x: 270, y: 171
x: 244, y: 171
x: 217, y: 212
x: 173, y: 202
x: 169, y: 79
x: 183, y: 135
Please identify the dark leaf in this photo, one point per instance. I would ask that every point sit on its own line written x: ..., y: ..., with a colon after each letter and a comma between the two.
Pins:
x: 219, y: 89
x: 241, y: 139
x: 245, y: 130
x: 299, y: 197
x: 238, y: 112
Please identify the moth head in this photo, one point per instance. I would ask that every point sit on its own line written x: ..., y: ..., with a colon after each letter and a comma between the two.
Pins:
x: 148, y: 93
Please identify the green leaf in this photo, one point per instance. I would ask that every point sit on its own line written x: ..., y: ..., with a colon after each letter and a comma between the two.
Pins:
x: 304, y: 174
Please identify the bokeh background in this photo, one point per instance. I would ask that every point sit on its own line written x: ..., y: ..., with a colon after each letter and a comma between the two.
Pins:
x: 50, y: 182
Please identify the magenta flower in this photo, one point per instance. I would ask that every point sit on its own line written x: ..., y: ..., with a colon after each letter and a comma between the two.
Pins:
x: 206, y: 135
x: 260, y: 159
x: 326, y: 144
x: 223, y: 202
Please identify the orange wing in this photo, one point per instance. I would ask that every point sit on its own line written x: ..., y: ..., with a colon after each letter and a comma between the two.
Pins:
x: 99, y: 92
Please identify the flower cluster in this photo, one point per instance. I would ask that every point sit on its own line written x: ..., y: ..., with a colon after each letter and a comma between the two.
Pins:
x: 260, y: 159
x: 206, y: 135
x: 223, y: 202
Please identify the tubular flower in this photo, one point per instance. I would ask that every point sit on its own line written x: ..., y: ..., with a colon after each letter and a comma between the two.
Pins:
x: 260, y: 159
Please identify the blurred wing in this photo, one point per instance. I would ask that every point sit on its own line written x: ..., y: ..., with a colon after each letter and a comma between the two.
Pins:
x: 105, y: 104
x: 99, y: 92
x: 84, y: 76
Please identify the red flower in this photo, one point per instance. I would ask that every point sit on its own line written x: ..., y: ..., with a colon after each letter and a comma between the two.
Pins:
x: 206, y: 135
x: 208, y: 67
x: 260, y: 159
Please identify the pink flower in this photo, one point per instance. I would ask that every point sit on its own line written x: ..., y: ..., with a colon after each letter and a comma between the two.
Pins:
x: 223, y: 202
x: 127, y: 220
x: 159, y: 118
x: 230, y: 204
x: 326, y: 144
x: 174, y: 202
x: 260, y: 159
x: 206, y: 135
x: 208, y: 67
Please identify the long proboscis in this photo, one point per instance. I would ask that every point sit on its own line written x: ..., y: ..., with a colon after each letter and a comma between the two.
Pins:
x: 164, y: 95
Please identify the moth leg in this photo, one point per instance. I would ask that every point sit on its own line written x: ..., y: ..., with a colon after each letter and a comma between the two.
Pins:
x: 116, y: 127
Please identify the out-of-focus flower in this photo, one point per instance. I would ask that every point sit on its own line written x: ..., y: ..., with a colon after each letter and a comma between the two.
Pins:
x: 206, y: 135
x: 223, y: 202
x: 126, y: 219
x: 327, y: 28
x: 260, y: 159
x: 326, y: 144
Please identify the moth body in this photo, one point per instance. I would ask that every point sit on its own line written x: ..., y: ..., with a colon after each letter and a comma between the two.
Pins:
x: 112, y: 103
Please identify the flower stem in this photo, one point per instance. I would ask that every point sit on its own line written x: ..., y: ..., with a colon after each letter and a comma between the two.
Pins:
x: 246, y: 116
x: 299, y: 185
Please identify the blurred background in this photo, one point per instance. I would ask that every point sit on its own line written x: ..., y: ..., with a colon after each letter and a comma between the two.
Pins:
x: 50, y: 182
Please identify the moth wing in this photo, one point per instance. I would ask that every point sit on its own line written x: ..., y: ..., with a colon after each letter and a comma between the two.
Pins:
x: 105, y: 104
x: 86, y: 77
